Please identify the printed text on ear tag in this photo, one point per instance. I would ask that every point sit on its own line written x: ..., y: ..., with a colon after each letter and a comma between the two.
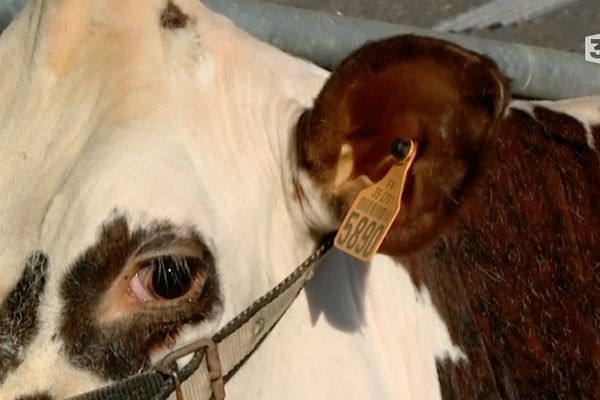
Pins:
x: 371, y: 215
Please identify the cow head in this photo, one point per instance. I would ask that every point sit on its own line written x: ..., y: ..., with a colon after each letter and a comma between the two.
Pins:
x: 161, y: 170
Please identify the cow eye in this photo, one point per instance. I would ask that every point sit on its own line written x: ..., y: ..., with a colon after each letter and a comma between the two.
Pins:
x: 165, y: 278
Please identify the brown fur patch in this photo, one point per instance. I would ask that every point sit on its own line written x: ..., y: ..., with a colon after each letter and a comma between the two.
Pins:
x: 299, y: 194
x: 516, y: 276
x: 173, y: 18
x: 18, y: 314
x: 39, y: 396
x: 445, y: 98
x: 596, y: 135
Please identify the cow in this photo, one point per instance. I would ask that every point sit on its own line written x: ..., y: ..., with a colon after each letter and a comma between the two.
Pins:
x: 161, y: 169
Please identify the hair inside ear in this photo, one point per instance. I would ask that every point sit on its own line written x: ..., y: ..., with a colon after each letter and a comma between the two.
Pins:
x: 446, y: 99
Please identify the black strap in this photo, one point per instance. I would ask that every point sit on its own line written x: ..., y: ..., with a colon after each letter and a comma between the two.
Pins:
x: 144, y: 386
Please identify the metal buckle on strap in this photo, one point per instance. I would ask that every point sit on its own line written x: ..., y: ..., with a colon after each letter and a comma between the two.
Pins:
x: 213, y: 364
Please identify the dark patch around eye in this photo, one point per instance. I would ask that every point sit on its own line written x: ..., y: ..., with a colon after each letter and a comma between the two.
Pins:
x: 173, y: 18
x: 119, y: 349
x: 18, y: 314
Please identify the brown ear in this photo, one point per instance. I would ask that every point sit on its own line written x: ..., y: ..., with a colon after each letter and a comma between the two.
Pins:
x: 445, y: 98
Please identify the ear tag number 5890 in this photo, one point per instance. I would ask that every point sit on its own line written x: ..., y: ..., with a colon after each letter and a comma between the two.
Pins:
x: 371, y: 215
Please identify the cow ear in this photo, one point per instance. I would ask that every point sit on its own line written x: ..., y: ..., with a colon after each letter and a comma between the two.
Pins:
x: 445, y: 98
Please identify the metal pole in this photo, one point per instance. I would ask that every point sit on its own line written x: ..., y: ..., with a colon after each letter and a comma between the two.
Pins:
x: 326, y: 39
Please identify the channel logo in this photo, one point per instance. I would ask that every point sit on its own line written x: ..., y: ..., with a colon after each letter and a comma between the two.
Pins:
x: 592, y: 48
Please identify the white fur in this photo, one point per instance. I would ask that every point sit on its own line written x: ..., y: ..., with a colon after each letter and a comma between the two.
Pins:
x: 194, y: 126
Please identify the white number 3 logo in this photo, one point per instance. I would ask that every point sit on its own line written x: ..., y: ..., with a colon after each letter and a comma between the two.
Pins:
x: 592, y: 48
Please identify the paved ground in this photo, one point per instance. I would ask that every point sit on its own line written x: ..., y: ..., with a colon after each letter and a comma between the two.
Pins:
x: 563, y: 28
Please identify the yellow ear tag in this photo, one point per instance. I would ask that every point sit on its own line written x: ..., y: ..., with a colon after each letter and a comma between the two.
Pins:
x: 371, y: 215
